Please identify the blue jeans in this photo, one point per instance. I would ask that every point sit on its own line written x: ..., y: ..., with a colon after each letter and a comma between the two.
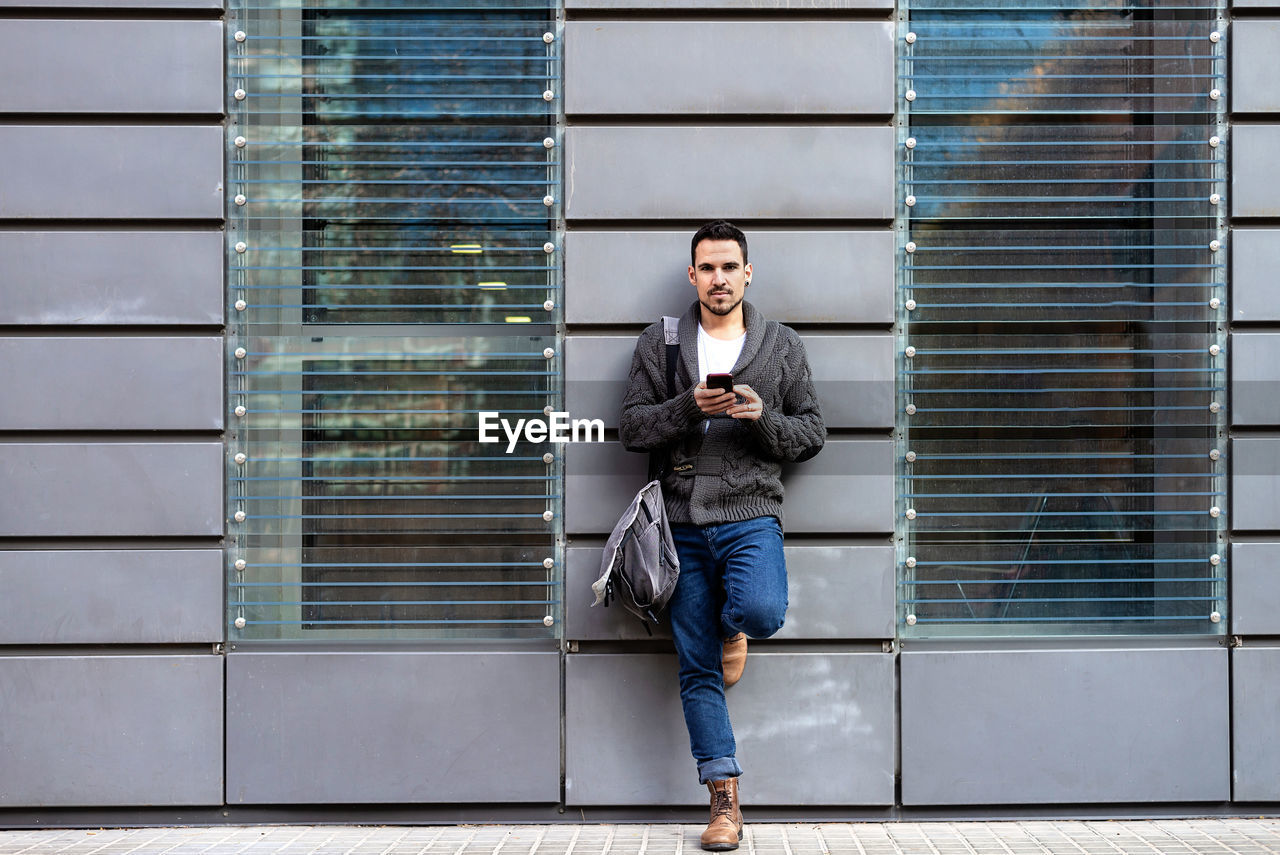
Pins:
x: 733, y: 578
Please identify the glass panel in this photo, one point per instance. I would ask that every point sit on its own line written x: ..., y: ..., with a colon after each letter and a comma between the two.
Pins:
x: 393, y: 272
x: 1062, y: 379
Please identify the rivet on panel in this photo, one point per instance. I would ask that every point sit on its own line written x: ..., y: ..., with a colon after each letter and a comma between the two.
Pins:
x: 1215, y: 303
x: 1215, y: 37
x: 911, y: 409
x: 548, y: 37
x: 548, y: 410
x: 911, y: 142
x: 240, y: 623
x: 549, y: 305
x: 911, y: 305
x: 911, y: 513
x: 241, y: 411
x: 1215, y: 454
x: 239, y: 516
x: 1215, y: 407
x: 548, y: 200
x: 1215, y: 512
x: 911, y: 201
x: 1215, y: 245
x: 1214, y: 142
x: 239, y: 94
x: 241, y: 457
x: 548, y: 95
x: 911, y: 620
x: 1215, y: 198
x: 1215, y: 617
x: 910, y: 351
x: 241, y: 305
x: 911, y: 457
x: 1214, y: 350
x: 911, y: 561
x: 1215, y: 559
x: 241, y: 564
x: 911, y: 246
x: 241, y: 246
x: 548, y: 563
x: 240, y: 142
x: 548, y: 352
x: 910, y: 38
x: 548, y: 247
x: 241, y: 353
x: 1215, y: 94
x: 240, y: 199
x: 548, y: 143
x: 910, y: 95
x: 548, y: 515
x: 548, y: 457
x: 240, y: 35
x: 548, y: 621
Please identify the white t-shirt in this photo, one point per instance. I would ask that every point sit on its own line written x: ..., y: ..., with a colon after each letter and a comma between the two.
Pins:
x: 717, y: 356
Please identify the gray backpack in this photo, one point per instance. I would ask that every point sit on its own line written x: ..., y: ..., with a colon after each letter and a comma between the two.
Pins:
x: 640, y: 566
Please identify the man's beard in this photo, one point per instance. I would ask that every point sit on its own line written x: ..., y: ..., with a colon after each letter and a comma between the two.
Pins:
x: 724, y: 308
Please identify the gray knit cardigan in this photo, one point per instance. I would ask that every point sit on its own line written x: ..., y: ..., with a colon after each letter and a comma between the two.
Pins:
x: 732, y: 471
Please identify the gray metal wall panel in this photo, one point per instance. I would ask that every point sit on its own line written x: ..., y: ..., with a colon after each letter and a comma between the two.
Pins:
x: 853, y: 375
x: 106, y: 172
x: 1255, y: 484
x: 834, y: 592
x: 753, y: 5
x: 1254, y: 47
x: 759, y: 67
x: 1255, y: 386
x: 403, y: 727
x: 105, y: 489
x: 690, y: 172
x: 116, y: 596
x: 106, y: 731
x: 1255, y: 588
x: 86, y: 66
x: 82, y: 383
x: 1255, y: 173
x: 101, y: 278
x: 1063, y: 726
x: 784, y: 288
x: 811, y: 729
x: 1255, y: 709
x: 847, y: 488
x: 1255, y: 256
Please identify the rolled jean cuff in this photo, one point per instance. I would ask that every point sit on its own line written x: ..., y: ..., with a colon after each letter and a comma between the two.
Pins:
x: 718, y: 769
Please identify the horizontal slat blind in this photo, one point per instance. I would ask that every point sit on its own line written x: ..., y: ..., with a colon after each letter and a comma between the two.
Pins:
x: 394, y: 169
x: 1062, y: 380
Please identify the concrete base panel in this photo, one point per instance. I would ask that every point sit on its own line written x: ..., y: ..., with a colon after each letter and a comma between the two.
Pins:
x: 1255, y: 694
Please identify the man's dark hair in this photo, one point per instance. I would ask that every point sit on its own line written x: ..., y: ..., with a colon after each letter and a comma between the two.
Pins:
x: 718, y: 230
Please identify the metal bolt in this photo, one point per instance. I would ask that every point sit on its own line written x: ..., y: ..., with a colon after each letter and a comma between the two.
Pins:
x: 239, y: 516
x: 911, y: 38
x: 911, y: 457
x: 239, y: 94
x: 549, y: 305
x: 1215, y: 617
x: 548, y: 352
x: 240, y: 410
x: 548, y: 563
x: 548, y: 457
x: 548, y: 515
x: 1214, y: 142
x: 1214, y: 350
x: 548, y: 143
x: 1214, y: 198
x: 547, y: 410
x: 911, y: 620
x: 910, y: 351
x: 911, y: 561
x: 1215, y: 94
x: 548, y: 621
x: 241, y: 305
x: 1215, y: 245
x: 548, y: 95
x: 911, y: 142
x: 1215, y: 303
x: 240, y: 35
x: 1215, y: 454
x: 1215, y: 407
x: 911, y: 409
x: 911, y: 201
x: 911, y: 95
x: 548, y: 37
x: 240, y: 142
x: 548, y: 247
x: 1215, y: 37
x: 1215, y: 512
x: 240, y: 623
x: 548, y: 200
x: 241, y: 564
x: 241, y: 353
x: 911, y: 513
x: 911, y: 246
x: 911, y: 305
x: 240, y: 199
x: 241, y: 457
x: 241, y: 246
x: 1215, y: 559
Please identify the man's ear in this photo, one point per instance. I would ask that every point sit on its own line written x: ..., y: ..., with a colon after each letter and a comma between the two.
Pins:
x: 747, y: 270
x: 692, y: 280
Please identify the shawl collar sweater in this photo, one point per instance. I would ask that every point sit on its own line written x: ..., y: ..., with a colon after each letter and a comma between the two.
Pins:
x: 729, y: 469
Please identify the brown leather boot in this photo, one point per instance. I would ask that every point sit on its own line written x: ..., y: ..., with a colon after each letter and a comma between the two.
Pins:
x: 725, y: 829
x: 734, y: 658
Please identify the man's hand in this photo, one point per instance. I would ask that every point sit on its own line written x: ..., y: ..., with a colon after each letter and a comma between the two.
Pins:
x: 712, y: 401
x: 751, y: 407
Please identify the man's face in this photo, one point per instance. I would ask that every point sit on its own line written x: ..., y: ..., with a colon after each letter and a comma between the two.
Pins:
x: 719, y: 275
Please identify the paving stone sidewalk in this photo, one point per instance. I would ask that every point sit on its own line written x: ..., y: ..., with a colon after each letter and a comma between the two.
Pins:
x: 1120, y: 837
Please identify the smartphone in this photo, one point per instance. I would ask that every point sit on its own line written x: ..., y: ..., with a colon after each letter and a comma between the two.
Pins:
x: 723, y: 382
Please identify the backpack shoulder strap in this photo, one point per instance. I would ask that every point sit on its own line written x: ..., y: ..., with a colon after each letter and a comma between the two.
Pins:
x: 671, y: 334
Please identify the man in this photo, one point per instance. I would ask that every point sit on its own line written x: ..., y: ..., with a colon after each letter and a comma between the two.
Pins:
x: 723, y: 454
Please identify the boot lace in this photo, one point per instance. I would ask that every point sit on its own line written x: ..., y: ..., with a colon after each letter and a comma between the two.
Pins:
x: 723, y: 802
